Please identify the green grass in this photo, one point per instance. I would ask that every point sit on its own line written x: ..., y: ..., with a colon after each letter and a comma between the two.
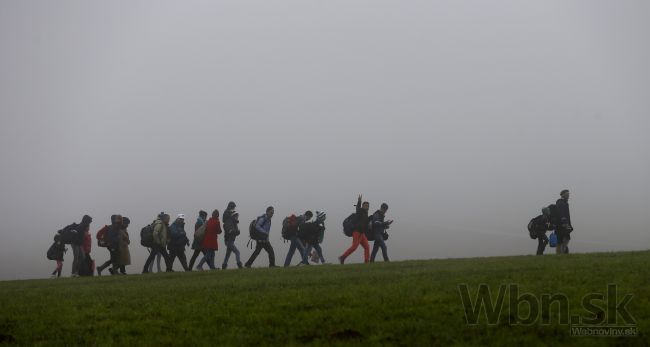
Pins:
x: 412, y: 303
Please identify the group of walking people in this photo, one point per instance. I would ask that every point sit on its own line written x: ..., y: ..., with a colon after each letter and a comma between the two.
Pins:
x: 167, y: 240
x: 556, y: 218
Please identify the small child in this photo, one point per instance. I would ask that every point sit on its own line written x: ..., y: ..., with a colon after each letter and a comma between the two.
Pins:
x: 56, y: 252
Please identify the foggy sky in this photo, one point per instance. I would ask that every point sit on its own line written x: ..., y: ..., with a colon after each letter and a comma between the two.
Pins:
x: 466, y: 117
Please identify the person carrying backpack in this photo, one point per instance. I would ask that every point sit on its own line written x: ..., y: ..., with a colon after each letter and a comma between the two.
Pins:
x: 290, y: 227
x: 210, y: 242
x: 231, y: 231
x: 160, y: 240
x: 55, y: 252
x: 178, y: 241
x: 537, y: 228
x: 198, y: 237
x: 378, y: 229
x: 124, y: 255
x: 359, y: 234
x: 314, y: 237
x: 564, y: 226
x: 77, y: 233
x: 113, y: 245
x: 261, y: 228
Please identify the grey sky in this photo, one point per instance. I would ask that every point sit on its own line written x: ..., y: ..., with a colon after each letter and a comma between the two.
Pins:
x: 466, y: 117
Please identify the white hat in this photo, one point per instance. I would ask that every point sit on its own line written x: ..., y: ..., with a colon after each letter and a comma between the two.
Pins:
x: 181, y: 216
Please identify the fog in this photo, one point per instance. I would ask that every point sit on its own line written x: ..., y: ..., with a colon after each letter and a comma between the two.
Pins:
x: 465, y: 117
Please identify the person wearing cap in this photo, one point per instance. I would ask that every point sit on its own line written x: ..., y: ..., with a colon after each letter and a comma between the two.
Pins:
x: 210, y: 243
x: 295, y: 243
x: 160, y: 240
x: 231, y: 231
x: 378, y: 228
x: 112, y: 239
x: 316, y: 239
x: 564, y: 227
x: 124, y: 255
x: 178, y: 241
x: 359, y: 234
x: 198, y: 238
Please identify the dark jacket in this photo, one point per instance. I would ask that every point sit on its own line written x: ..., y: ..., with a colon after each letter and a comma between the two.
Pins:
x: 113, y: 237
x: 178, y: 236
x: 378, y: 224
x: 563, y: 220
x: 230, y: 229
x: 362, y: 218
x: 81, y: 229
x: 541, y: 224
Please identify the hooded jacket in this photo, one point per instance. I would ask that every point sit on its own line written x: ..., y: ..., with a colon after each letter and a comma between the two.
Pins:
x: 160, y: 233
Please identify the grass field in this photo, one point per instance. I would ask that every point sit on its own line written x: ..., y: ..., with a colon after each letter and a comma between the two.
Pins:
x: 414, y: 303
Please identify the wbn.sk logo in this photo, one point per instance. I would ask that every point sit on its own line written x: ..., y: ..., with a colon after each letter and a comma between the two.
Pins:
x: 604, y: 314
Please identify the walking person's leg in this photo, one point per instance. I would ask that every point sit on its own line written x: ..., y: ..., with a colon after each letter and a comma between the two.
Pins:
x: 319, y: 250
x: 356, y: 239
x: 292, y: 249
x: 363, y: 241
x: 183, y: 259
x: 227, y: 256
x: 193, y: 258
x: 382, y: 245
x: 237, y: 254
x: 76, y: 262
x: 542, y: 241
x: 256, y: 252
x: 148, y: 264
x: 269, y: 249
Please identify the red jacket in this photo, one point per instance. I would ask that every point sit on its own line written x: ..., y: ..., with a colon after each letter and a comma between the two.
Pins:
x: 212, y: 229
x: 87, y: 245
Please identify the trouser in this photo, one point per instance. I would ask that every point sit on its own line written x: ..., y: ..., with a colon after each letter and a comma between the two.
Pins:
x: 157, y: 250
x: 231, y: 248
x: 358, y: 239
x: 542, y: 241
x: 562, y: 241
x: 123, y: 269
x: 296, y: 244
x: 180, y: 254
x: 193, y: 258
x: 377, y: 244
x: 111, y: 262
x: 59, y: 267
x: 265, y: 245
x: 79, y: 256
x: 318, y: 249
x: 562, y: 246
x: 208, y: 258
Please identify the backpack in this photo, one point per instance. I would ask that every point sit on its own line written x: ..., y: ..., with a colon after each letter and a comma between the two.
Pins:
x: 146, y: 236
x: 531, y: 229
x: 254, y: 233
x: 349, y: 224
x: 55, y: 252
x: 68, y: 233
x: 309, y: 232
x: 289, y: 227
x: 101, y: 237
x: 199, y: 234
x: 552, y: 239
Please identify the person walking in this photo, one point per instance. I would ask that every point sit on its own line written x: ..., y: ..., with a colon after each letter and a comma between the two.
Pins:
x: 231, y: 231
x: 113, y: 245
x: 564, y: 227
x: 379, y: 226
x: 198, y: 237
x: 55, y: 252
x: 314, y: 239
x: 263, y: 229
x: 210, y: 243
x: 124, y: 255
x: 291, y: 233
x: 538, y: 227
x: 178, y: 242
x: 76, y: 244
x: 359, y: 234
x: 160, y: 240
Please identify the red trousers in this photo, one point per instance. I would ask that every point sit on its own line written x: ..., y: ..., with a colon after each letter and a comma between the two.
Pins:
x: 358, y: 238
